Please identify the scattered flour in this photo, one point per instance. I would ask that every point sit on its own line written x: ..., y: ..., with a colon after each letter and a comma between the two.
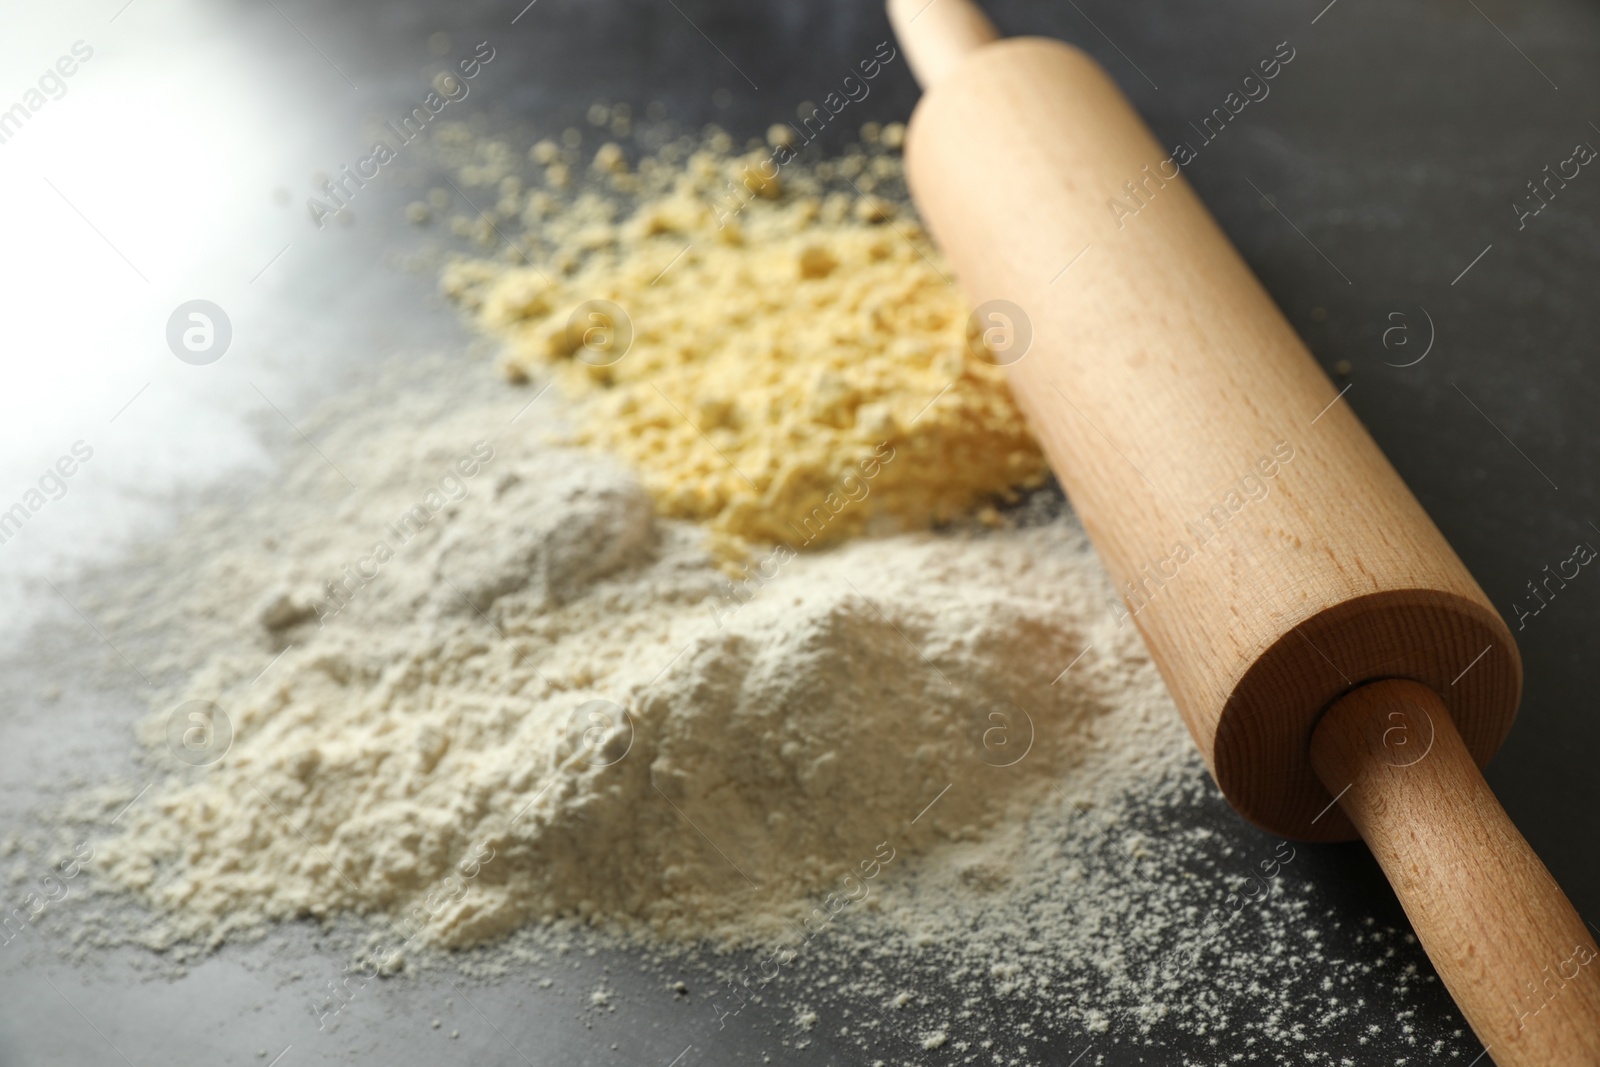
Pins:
x: 919, y: 792
x: 585, y: 731
x: 491, y: 687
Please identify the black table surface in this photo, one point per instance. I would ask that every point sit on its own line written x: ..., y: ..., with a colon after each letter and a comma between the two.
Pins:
x: 1375, y: 192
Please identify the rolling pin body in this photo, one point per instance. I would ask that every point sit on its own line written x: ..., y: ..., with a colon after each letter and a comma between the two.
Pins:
x: 1260, y: 541
x: 1307, y: 615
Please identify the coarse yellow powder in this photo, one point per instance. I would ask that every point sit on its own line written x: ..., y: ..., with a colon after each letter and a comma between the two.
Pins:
x: 785, y: 366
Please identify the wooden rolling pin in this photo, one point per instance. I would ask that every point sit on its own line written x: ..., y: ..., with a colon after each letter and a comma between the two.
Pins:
x: 1339, y: 668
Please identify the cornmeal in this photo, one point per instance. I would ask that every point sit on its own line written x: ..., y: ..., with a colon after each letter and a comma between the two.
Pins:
x: 783, y: 364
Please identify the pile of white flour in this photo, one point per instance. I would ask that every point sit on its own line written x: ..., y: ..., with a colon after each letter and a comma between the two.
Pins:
x: 451, y: 680
x: 488, y: 686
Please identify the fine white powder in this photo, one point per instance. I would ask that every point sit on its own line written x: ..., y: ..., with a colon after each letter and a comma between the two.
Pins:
x: 501, y: 690
x: 940, y: 798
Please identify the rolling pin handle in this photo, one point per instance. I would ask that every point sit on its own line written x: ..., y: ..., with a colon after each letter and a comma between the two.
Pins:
x: 1504, y: 938
x: 938, y: 34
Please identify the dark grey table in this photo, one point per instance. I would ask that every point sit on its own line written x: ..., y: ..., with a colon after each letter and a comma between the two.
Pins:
x: 1376, y: 192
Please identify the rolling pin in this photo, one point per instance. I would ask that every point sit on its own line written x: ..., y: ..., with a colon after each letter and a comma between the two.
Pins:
x: 1339, y: 668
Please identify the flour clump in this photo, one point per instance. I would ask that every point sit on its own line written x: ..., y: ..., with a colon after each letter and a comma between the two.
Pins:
x: 546, y: 701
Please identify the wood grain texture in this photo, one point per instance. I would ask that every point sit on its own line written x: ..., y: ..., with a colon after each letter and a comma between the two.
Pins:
x: 1510, y: 948
x: 1271, y: 557
x: 1263, y: 545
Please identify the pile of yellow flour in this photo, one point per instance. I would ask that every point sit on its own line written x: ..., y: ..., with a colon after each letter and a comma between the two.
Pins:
x: 755, y: 359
